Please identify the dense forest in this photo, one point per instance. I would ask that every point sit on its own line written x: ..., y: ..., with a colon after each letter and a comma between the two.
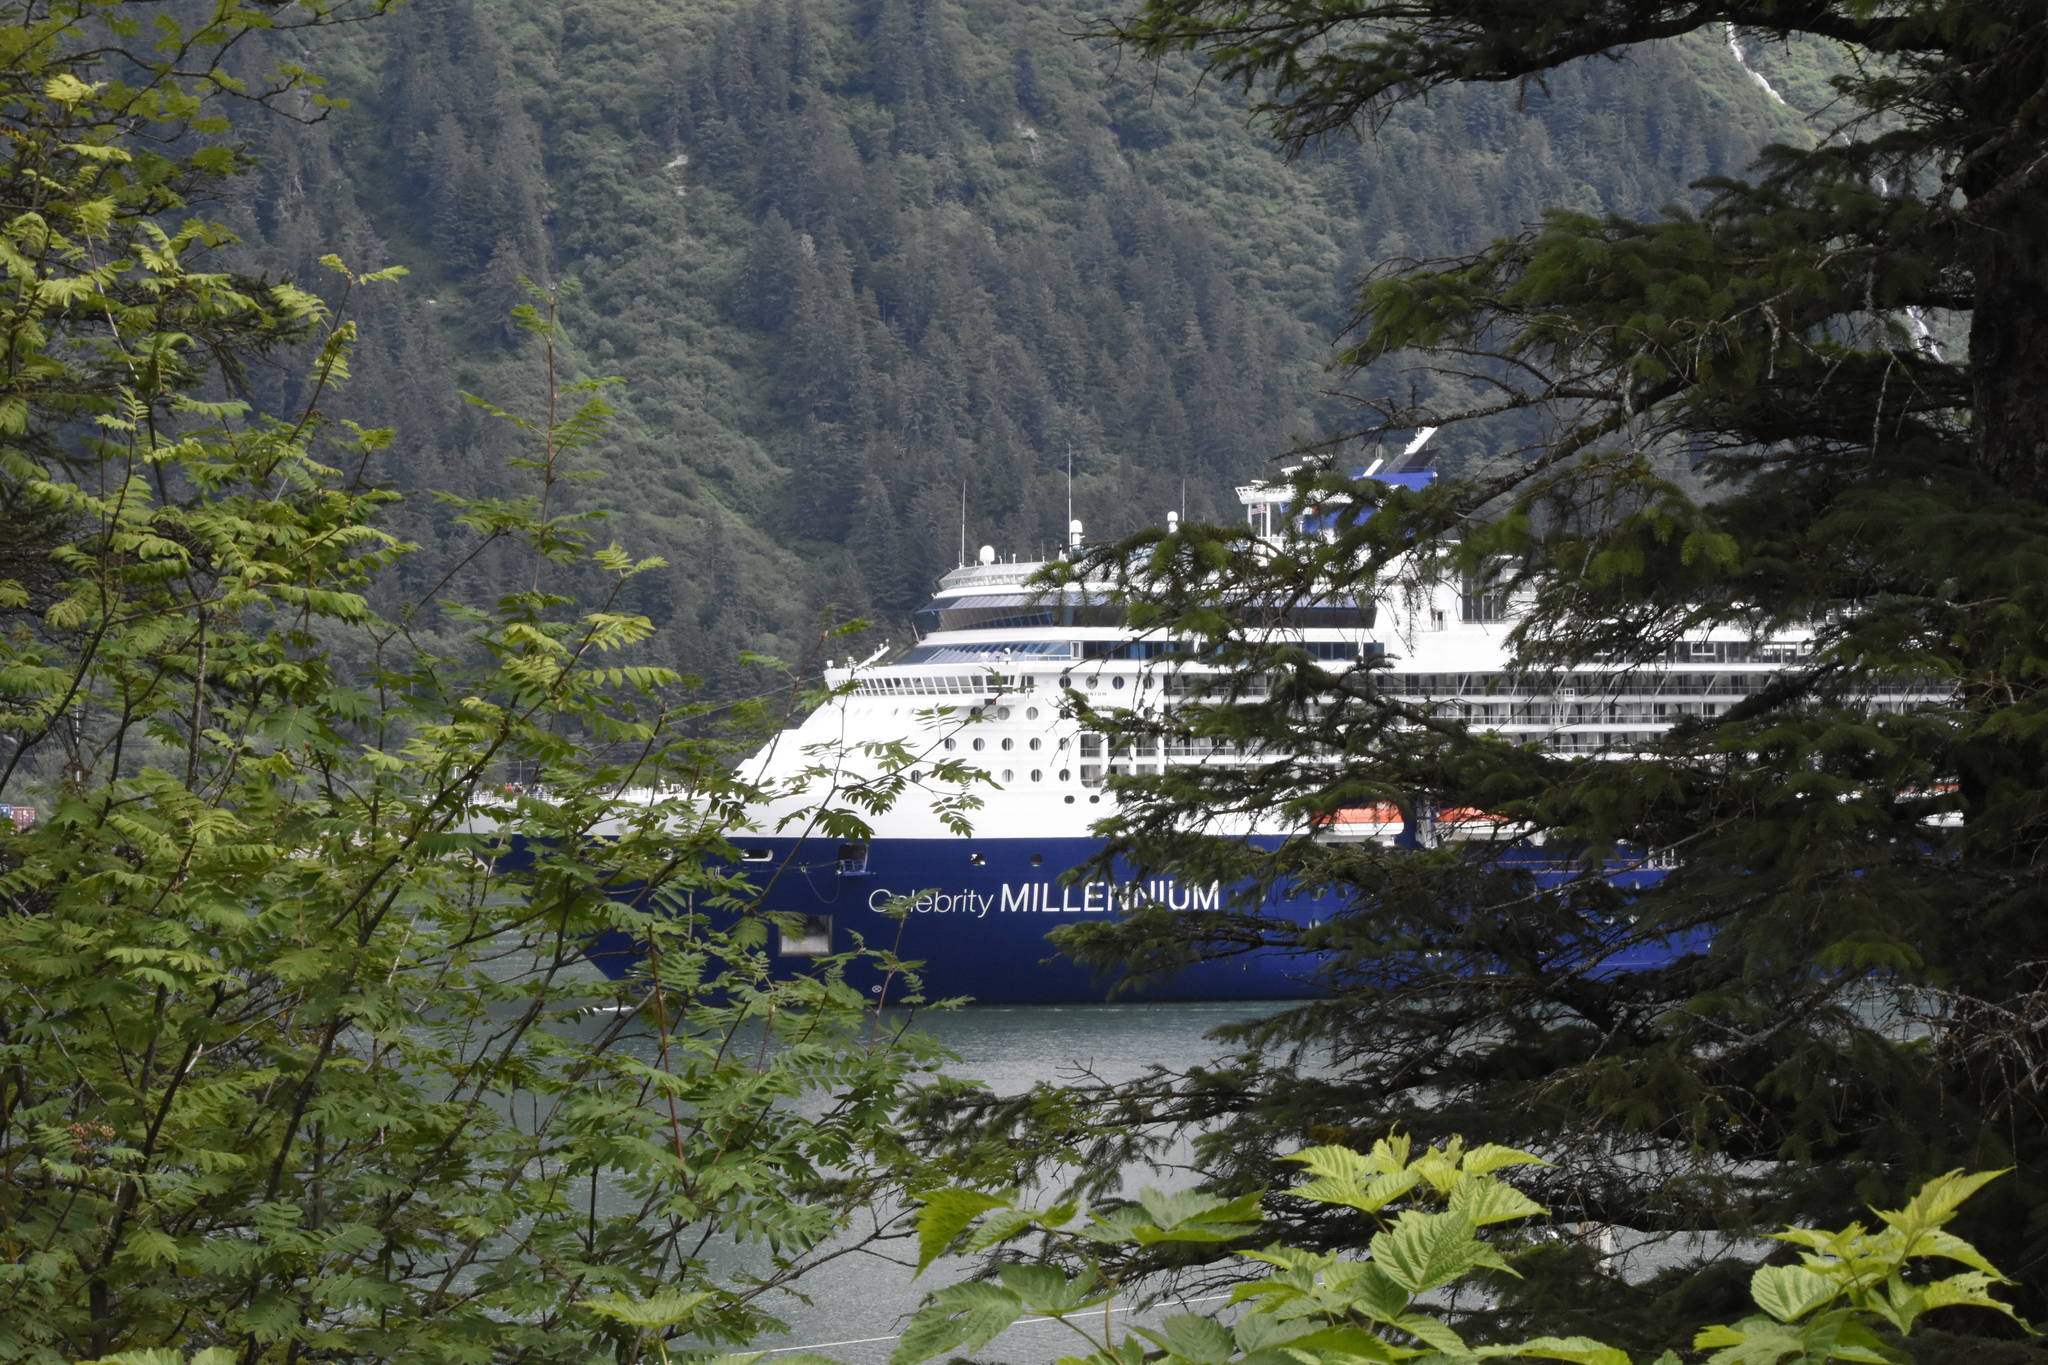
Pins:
x: 857, y: 260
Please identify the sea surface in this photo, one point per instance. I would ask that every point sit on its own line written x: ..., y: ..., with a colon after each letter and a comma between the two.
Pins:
x: 860, y: 1302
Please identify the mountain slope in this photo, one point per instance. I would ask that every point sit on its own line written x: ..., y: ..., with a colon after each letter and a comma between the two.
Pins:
x: 857, y: 258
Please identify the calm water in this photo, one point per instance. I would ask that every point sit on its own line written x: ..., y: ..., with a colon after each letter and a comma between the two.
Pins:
x: 859, y: 1302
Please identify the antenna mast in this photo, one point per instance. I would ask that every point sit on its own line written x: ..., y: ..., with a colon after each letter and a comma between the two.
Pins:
x: 963, y: 521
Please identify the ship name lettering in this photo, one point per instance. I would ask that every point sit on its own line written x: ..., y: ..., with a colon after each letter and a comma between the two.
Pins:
x: 1050, y: 898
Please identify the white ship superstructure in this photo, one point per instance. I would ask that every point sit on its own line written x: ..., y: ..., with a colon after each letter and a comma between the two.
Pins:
x: 998, y: 658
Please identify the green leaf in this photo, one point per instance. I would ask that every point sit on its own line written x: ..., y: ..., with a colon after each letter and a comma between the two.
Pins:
x: 1937, y: 1201
x: 1487, y: 1201
x: 1353, y: 1341
x: 1790, y: 1292
x: 65, y: 88
x: 1424, y: 1251
x: 1191, y: 1216
x: 1490, y: 1157
x: 1196, y: 1338
x: 150, y: 1246
x: 964, y: 1317
x: 1967, y: 1290
x: 1374, y: 1194
x: 1577, y: 1350
x: 1256, y: 1332
x: 1374, y: 1293
x: 945, y: 1215
x: 1945, y: 1244
x: 1046, y: 1289
x: 655, y: 1311
x: 1432, y: 1333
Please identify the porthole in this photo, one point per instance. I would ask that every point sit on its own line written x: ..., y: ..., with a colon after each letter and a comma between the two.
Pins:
x: 1066, y: 774
x: 1038, y: 860
x: 1007, y: 774
x: 980, y: 744
x: 976, y: 860
x: 947, y: 744
x: 1094, y: 800
x: 1002, y: 713
x: 1036, y: 744
x: 1038, y: 774
x: 1070, y: 800
x: 1009, y: 744
x: 1117, y: 681
x: 1031, y: 713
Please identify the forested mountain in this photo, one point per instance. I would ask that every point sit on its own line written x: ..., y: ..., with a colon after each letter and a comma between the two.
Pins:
x: 853, y: 257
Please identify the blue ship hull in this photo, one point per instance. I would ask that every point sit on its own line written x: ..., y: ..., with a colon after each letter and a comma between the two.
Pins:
x: 978, y: 916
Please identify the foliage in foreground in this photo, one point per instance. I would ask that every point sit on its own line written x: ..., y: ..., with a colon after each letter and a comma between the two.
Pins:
x: 1852, y: 1295
x: 1851, y: 982
x: 299, y: 1058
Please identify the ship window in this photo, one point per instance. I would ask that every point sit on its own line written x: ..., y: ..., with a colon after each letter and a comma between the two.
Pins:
x: 808, y: 936
x: 1007, y: 775
x: 1116, y: 681
x: 1038, y: 860
x: 947, y: 744
x: 980, y: 744
x: 1066, y: 774
x: 1483, y: 597
x: 1031, y: 713
x: 976, y: 860
x: 1009, y: 744
x: 1070, y: 800
x: 1037, y: 743
x: 1038, y: 774
x: 755, y: 855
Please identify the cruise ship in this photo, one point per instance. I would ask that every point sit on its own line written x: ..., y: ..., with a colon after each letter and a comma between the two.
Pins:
x: 967, y: 877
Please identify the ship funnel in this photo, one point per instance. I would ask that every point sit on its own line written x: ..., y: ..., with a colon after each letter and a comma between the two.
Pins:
x: 988, y: 554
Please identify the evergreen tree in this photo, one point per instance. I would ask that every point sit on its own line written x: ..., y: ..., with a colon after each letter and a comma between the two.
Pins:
x: 1852, y: 347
